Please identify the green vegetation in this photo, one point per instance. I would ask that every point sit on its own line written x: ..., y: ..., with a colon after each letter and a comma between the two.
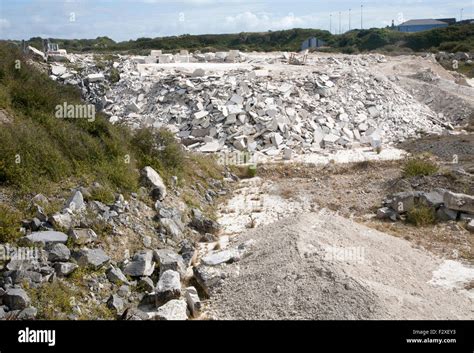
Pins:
x: 452, y: 38
x: 102, y: 194
x: 159, y: 150
x: 56, y: 300
x: 421, y: 215
x: 51, y: 299
x: 419, y: 166
x: 9, y: 224
x: 289, y: 40
x: 252, y: 171
x: 38, y: 149
x: 41, y: 153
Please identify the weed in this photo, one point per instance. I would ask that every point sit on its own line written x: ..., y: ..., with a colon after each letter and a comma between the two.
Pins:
x: 419, y: 167
x: 421, y: 215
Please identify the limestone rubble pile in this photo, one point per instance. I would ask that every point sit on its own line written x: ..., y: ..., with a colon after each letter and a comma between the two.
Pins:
x: 340, y: 103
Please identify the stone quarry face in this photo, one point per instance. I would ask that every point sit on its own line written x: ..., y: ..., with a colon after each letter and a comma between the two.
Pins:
x: 225, y: 101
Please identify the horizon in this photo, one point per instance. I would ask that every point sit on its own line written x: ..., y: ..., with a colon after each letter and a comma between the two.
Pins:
x: 86, y: 19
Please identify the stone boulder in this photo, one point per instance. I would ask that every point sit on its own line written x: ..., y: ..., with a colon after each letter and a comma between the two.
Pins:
x: 64, y: 269
x: 116, y: 276
x: 47, y: 237
x: 168, y: 287
x: 16, y: 299
x: 173, y: 310
x: 167, y: 259
x: 203, y: 224
x: 58, y: 252
x: 193, y: 301
x: 83, y: 236
x: 76, y: 202
x: 459, y: 202
x: 142, y: 264
x: 220, y: 257
x: 152, y: 179
x: 91, y: 258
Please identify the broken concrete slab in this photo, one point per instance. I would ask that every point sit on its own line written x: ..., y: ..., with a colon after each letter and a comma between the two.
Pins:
x: 142, y: 264
x: 168, y: 286
x: 47, y: 237
x: 174, y: 310
x: 459, y: 202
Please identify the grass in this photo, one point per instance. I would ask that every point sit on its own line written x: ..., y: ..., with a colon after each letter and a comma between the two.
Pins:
x: 421, y: 215
x: 252, y: 171
x: 39, y: 152
x: 52, y: 300
x: 419, y: 167
x: 9, y: 224
x: 56, y: 300
x: 102, y: 194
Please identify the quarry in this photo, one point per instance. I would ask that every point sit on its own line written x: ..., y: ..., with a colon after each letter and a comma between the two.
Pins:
x: 345, y: 191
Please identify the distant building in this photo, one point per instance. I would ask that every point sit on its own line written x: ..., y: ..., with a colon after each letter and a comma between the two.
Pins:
x: 449, y: 21
x: 466, y: 22
x: 420, y: 25
x: 312, y: 42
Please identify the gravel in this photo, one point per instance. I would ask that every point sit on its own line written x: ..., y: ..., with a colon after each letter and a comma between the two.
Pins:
x: 321, y: 266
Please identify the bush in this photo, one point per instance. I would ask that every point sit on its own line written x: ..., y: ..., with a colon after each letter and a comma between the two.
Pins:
x: 52, y: 299
x: 160, y: 150
x: 9, y: 224
x: 114, y: 75
x: 421, y: 215
x: 38, y: 150
x: 102, y: 194
x: 448, y: 46
x: 350, y: 50
x: 252, y: 171
x: 419, y: 167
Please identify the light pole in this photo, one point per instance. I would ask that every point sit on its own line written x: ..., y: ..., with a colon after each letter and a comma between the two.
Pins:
x: 461, y: 14
x: 349, y: 19
x: 361, y: 10
x: 330, y: 23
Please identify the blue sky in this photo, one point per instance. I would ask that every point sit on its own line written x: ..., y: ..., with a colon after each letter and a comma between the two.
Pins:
x: 127, y: 19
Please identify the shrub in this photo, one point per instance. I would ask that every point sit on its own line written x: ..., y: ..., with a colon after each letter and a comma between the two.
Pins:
x: 9, y: 224
x: 350, y: 50
x: 160, y: 150
x: 114, y: 75
x: 419, y: 167
x: 52, y: 300
x: 102, y: 194
x: 252, y: 171
x: 421, y: 215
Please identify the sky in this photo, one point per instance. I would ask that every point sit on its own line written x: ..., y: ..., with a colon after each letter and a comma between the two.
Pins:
x: 127, y: 19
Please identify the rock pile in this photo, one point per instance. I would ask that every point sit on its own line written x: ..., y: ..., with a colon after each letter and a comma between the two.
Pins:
x: 151, y: 283
x: 339, y: 104
x: 256, y: 110
x: 446, y: 205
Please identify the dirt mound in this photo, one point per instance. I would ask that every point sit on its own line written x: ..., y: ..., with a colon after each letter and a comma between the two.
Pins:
x: 323, y: 266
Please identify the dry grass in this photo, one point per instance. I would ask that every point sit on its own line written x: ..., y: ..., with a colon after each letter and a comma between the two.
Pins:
x: 419, y: 166
x: 421, y: 215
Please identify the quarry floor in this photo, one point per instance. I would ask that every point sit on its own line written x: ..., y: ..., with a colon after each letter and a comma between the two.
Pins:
x: 303, y: 216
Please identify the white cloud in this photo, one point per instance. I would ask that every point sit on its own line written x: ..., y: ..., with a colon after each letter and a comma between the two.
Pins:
x: 249, y: 21
x: 4, y: 23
